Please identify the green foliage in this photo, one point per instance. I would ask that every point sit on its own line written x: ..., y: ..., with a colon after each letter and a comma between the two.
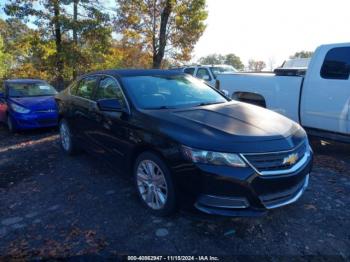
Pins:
x: 229, y: 59
x: 4, y: 59
x: 213, y: 59
x: 235, y: 61
x: 52, y: 47
x: 57, y: 40
x: 162, y: 27
x: 302, y: 54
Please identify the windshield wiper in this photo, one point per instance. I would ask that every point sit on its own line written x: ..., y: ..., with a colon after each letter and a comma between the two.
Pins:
x: 161, y: 107
x: 209, y: 103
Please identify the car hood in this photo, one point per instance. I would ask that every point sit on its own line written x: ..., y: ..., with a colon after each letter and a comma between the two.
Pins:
x: 230, y: 127
x: 35, y: 103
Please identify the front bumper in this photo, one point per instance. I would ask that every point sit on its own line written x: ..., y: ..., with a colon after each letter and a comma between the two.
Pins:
x: 34, y: 120
x: 219, y: 190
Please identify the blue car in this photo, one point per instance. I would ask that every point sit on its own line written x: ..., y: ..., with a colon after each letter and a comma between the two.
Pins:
x: 28, y: 104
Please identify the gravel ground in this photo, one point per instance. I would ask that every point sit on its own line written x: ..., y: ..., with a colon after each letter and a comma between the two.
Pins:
x: 53, y: 205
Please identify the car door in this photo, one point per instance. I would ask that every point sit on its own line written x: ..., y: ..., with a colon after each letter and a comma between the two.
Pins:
x: 111, y: 132
x: 82, y: 105
x: 326, y: 95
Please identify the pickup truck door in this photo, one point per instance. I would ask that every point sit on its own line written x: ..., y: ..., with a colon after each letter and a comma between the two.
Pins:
x: 325, y: 99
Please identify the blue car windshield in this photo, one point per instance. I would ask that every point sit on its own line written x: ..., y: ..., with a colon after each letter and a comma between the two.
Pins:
x: 157, y: 92
x: 30, y: 89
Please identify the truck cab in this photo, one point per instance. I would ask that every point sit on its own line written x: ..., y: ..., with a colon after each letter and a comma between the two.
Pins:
x: 208, y: 73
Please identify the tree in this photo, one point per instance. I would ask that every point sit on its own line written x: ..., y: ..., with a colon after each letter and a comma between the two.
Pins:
x: 217, y: 59
x: 235, y: 61
x: 26, y: 53
x: 91, y: 34
x: 302, y: 54
x: 74, y: 52
x: 46, y: 14
x: 213, y: 59
x: 4, y: 59
x: 256, y: 66
x: 164, y: 28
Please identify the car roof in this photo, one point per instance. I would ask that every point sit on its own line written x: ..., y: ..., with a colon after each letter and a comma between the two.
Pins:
x: 136, y: 72
x: 24, y: 80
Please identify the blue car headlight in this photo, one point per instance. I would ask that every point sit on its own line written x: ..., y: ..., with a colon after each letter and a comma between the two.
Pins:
x: 213, y: 158
x: 19, y: 109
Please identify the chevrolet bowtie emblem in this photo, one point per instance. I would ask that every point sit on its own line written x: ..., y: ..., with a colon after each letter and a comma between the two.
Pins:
x: 291, y: 159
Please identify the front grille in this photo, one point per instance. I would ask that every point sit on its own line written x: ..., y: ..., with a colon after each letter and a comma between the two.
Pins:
x: 282, y: 198
x: 277, y: 160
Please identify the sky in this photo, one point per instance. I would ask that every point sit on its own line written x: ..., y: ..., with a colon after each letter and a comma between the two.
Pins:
x: 272, y: 29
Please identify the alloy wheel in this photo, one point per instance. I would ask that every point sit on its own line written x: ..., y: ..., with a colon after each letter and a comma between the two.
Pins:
x: 152, y: 184
x: 65, y: 136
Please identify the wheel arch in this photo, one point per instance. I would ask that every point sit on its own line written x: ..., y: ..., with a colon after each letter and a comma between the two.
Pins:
x: 250, y: 97
x: 136, y: 152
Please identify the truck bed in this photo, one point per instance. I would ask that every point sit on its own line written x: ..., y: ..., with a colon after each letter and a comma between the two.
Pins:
x: 267, y: 85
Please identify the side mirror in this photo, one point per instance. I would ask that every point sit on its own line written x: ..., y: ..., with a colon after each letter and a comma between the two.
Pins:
x: 225, y: 92
x: 217, y: 84
x: 109, y: 105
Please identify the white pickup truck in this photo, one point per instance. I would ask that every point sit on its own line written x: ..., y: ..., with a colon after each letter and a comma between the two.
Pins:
x: 317, y: 97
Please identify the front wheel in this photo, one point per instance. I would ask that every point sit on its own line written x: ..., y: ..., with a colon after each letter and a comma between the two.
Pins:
x: 154, y: 184
x: 68, y: 143
x: 10, y: 125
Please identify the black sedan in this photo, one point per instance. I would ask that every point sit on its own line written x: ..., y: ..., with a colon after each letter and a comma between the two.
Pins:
x: 184, y: 143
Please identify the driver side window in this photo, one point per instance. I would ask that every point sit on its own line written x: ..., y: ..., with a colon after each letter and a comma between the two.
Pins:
x: 109, y: 89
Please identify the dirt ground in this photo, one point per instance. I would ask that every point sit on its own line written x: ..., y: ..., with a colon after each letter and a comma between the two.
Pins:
x: 53, y: 205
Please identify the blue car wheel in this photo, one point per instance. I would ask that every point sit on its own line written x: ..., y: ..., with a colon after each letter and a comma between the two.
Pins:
x: 10, y: 124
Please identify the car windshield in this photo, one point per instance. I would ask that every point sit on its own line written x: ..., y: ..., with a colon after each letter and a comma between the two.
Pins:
x: 160, y: 92
x: 223, y: 70
x: 30, y: 89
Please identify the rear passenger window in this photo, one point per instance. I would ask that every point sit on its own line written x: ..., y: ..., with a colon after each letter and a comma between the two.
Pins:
x: 189, y: 71
x: 337, y: 64
x: 86, y: 87
x: 109, y: 89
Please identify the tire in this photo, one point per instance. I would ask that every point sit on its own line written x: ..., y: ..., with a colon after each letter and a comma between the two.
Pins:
x: 157, y: 192
x: 67, y: 141
x: 11, y: 127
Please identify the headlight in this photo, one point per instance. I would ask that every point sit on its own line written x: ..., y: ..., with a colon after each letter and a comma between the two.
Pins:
x: 213, y: 158
x: 19, y: 109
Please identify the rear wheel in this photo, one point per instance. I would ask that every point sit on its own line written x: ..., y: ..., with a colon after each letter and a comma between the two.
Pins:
x: 154, y: 184
x: 68, y: 143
